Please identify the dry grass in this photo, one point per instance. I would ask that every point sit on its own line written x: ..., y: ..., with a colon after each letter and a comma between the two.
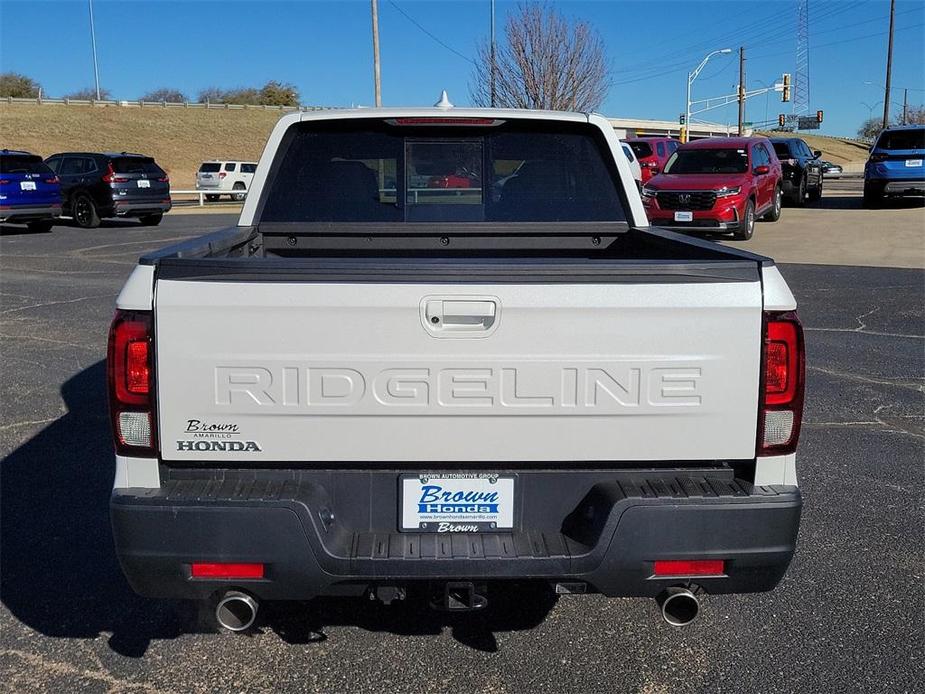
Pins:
x: 179, y: 139
x: 833, y: 149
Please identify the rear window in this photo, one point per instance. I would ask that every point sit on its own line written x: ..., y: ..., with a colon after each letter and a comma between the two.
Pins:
x: 135, y: 165
x: 642, y: 149
x: 230, y: 166
x: 707, y: 161
x: 248, y: 168
x: 22, y: 164
x: 902, y: 139
x: 210, y: 167
x: 376, y: 172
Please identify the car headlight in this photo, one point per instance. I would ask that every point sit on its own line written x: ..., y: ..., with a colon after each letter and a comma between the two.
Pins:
x: 727, y: 191
x: 648, y: 192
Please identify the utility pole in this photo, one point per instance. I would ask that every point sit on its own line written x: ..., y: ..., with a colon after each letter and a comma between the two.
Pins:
x: 905, y: 105
x: 889, y: 70
x: 741, y: 90
x: 96, y: 67
x: 492, y: 78
x: 378, y: 80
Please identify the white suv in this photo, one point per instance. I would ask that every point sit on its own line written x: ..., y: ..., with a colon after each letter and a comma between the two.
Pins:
x: 225, y: 177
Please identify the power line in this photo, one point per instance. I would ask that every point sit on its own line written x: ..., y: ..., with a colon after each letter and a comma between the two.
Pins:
x: 431, y: 35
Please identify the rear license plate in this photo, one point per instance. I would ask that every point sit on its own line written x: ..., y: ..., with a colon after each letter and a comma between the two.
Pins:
x: 456, y: 503
x: 27, y: 185
x: 207, y: 175
x: 684, y: 216
x: 144, y: 183
x: 913, y: 162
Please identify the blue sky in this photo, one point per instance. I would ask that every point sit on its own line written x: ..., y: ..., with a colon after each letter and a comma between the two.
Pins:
x: 324, y: 48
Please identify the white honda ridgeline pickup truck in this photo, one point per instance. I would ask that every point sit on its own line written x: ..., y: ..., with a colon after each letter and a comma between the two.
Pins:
x: 443, y: 349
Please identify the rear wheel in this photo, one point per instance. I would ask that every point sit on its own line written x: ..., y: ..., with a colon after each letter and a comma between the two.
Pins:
x: 774, y: 214
x: 41, y: 226
x: 238, y: 196
x: 747, y: 229
x: 151, y: 220
x: 85, y: 213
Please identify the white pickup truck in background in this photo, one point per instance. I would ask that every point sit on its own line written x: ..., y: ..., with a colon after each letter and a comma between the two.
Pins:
x: 443, y: 349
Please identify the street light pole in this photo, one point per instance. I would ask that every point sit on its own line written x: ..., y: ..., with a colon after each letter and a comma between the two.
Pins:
x: 691, y: 76
x: 96, y: 67
x: 378, y: 81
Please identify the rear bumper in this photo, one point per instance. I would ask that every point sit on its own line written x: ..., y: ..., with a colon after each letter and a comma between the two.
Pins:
x: 327, y: 533
x: 127, y: 207
x: 30, y: 213
x: 896, y: 186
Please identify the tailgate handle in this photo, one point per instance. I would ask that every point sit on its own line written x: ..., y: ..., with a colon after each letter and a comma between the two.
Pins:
x: 456, y: 317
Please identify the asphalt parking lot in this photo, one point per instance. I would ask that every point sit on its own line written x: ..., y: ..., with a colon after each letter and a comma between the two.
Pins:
x: 848, y: 617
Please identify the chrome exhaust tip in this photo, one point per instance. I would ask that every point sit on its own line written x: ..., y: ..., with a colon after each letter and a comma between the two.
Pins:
x: 236, y: 611
x: 679, y: 606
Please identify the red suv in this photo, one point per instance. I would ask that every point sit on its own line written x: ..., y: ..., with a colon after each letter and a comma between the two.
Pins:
x: 652, y: 153
x: 718, y: 184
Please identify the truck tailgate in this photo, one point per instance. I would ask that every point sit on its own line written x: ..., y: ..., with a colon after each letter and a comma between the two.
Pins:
x: 272, y: 371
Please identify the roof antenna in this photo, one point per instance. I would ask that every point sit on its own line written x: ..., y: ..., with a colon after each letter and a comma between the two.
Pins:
x: 444, y: 102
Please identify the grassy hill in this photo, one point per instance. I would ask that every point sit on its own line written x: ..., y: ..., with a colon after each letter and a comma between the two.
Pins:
x: 180, y: 139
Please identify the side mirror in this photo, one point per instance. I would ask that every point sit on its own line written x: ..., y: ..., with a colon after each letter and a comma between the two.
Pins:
x: 817, y: 153
x: 762, y: 170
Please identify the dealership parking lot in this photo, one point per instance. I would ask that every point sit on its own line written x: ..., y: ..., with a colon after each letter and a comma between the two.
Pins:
x: 847, y: 617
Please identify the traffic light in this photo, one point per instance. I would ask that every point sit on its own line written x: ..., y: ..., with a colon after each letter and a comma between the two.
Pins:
x: 682, y: 119
x: 785, y: 95
x: 781, y: 119
x: 818, y: 116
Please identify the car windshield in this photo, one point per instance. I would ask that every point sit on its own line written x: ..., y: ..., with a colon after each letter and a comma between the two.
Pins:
x: 708, y: 161
x: 135, y: 165
x: 641, y: 149
x: 22, y: 164
x: 210, y: 167
x: 782, y: 149
x: 902, y: 139
x: 381, y: 171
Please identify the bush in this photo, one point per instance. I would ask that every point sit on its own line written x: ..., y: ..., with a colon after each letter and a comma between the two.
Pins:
x: 273, y: 93
x: 173, y: 96
x: 89, y: 94
x: 19, y: 86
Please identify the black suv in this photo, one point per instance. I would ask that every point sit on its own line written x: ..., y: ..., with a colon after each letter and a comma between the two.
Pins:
x: 111, y: 185
x: 802, y: 169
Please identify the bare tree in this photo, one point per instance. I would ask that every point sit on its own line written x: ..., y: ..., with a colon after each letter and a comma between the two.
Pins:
x: 88, y: 94
x: 545, y: 61
x: 173, y: 96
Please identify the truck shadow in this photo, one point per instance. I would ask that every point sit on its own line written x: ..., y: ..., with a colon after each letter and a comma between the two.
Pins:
x: 60, y: 575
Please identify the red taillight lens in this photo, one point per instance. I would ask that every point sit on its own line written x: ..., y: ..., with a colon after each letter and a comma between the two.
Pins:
x: 52, y: 180
x: 131, y: 383
x: 4, y: 181
x: 222, y: 174
x: 443, y: 120
x: 226, y: 570
x: 781, y: 410
x: 878, y: 157
x: 107, y: 177
x: 164, y: 179
x: 690, y: 567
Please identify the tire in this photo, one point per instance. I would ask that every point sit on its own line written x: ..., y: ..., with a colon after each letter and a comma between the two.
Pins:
x: 151, y: 220
x: 238, y: 197
x: 799, y: 197
x: 84, y: 210
x: 872, y: 198
x: 774, y: 213
x: 815, y: 195
x: 42, y: 226
x: 212, y: 198
x: 748, y: 221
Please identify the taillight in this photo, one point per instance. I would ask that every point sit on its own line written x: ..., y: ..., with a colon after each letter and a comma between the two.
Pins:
x: 4, y: 181
x: 165, y: 179
x: 879, y: 157
x: 782, y: 384
x: 107, y: 177
x: 131, y: 383
x: 226, y: 570
x: 52, y: 180
x: 689, y: 567
x: 222, y: 174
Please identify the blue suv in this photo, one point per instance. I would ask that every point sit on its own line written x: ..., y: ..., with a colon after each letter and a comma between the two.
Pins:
x: 29, y: 191
x: 895, y: 166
